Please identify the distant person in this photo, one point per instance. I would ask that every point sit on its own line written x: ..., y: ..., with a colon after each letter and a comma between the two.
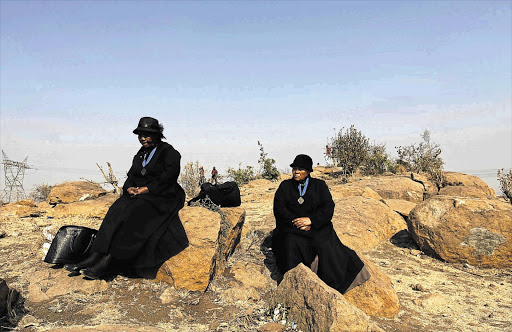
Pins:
x: 201, y: 176
x: 215, y: 174
x: 303, y: 208
x: 142, y: 229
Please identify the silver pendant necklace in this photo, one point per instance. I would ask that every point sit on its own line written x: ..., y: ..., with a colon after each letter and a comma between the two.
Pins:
x: 302, y: 191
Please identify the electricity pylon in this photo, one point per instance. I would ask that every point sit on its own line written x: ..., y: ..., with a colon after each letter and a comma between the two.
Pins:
x: 14, y: 174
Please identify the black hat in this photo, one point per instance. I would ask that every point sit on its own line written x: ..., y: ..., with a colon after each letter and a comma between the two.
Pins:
x: 303, y: 161
x: 148, y: 124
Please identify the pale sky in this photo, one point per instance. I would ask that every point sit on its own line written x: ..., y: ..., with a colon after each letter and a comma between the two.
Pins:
x: 76, y: 76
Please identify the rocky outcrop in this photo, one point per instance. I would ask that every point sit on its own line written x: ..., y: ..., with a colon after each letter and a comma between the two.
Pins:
x: 363, y: 223
x: 314, y: 306
x: 69, y: 192
x: 467, y: 230
x: 22, y: 209
x: 47, y: 284
x: 429, y: 186
x: 213, y: 237
x: 94, y: 208
x: 394, y: 187
x: 400, y: 206
x: 376, y: 297
x: 349, y: 189
x: 467, y: 180
x: 463, y: 191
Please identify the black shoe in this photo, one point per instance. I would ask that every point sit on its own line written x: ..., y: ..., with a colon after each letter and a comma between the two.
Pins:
x: 98, y: 270
x: 89, y: 261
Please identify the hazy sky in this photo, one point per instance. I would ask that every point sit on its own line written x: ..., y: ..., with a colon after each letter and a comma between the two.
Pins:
x: 76, y: 76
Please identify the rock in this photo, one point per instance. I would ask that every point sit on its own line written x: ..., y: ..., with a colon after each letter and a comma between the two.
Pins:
x: 470, y: 230
x: 433, y: 302
x: 463, y: 191
x: 234, y: 294
x: 466, y: 180
x: 430, y: 188
x: 169, y: 296
x: 69, y: 192
x: 347, y: 190
x: 394, y: 187
x: 272, y: 327
x: 363, y: 223
x: 49, y: 283
x: 401, y: 206
x: 21, y: 210
x: 28, y: 321
x: 250, y: 275
x: 376, y: 297
x: 94, y: 208
x: 212, y: 240
x: 314, y: 306
x: 27, y: 202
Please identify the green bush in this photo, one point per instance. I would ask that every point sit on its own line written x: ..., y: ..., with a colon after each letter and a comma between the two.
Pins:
x: 267, y: 165
x: 505, y: 180
x: 378, y: 161
x: 242, y: 175
x: 349, y: 149
x: 423, y: 158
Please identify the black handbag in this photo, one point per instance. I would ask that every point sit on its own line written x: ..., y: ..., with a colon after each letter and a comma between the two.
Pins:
x: 225, y: 194
x: 70, y: 245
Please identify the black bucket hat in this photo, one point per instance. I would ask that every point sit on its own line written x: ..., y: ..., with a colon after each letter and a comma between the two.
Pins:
x: 303, y: 161
x: 148, y: 124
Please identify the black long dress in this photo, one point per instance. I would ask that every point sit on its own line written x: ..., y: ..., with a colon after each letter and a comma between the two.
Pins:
x: 145, y: 230
x: 338, y: 266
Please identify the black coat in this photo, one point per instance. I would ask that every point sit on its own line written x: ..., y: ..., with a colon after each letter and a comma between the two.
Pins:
x: 145, y: 230
x: 338, y: 265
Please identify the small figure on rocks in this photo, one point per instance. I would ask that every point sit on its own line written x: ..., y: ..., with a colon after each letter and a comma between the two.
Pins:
x: 303, y: 208
x: 142, y: 229
x: 215, y: 174
x: 201, y: 176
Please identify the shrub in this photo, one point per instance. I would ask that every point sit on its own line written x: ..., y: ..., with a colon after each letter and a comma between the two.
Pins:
x: 241, y: 175
x: 267, y: 168
x: 40, y: 192
x: 349, y: 149
x: 423, y: 157
x: 189, y: 178
x: 378, y: 161
x: 505, y: 180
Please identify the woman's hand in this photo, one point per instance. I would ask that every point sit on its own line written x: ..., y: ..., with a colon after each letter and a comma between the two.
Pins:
x: 133, y: 191
x: 302, y: 223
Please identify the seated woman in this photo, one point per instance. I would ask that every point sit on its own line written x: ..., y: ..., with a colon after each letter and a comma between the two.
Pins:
x: 303, y: 208
x: 142, y: 229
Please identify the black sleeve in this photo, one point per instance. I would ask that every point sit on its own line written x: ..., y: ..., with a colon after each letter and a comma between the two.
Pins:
x: 282, y: 213
x: 171, y: 170
x: 325, y: 211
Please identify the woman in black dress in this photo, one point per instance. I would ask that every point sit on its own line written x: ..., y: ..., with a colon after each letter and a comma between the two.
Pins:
x: 303, y: 208
x: 142, y: 229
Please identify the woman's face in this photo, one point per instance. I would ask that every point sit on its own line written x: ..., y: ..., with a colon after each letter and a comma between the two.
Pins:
x: 299, y: 174
x: 145, y: 139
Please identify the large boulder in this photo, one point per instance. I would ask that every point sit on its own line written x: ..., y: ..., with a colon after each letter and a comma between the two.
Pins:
x: 467, y: 180
x: 364, y: 223
x: 463, y: 191
x: 94, y: 208
x: 349, y: 189
x: 314, y: 306
x: 213, y: 237
x: 74, y: 191
x: 400, y: 206
x: 428, y: 185
x: 468, y: 230
x: 21, y: 209
x: 376, y: 297
x: 394, y: 187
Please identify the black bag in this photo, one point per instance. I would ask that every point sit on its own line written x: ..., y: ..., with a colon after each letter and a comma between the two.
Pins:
x: 225, y: 194
x: 70, y: 245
